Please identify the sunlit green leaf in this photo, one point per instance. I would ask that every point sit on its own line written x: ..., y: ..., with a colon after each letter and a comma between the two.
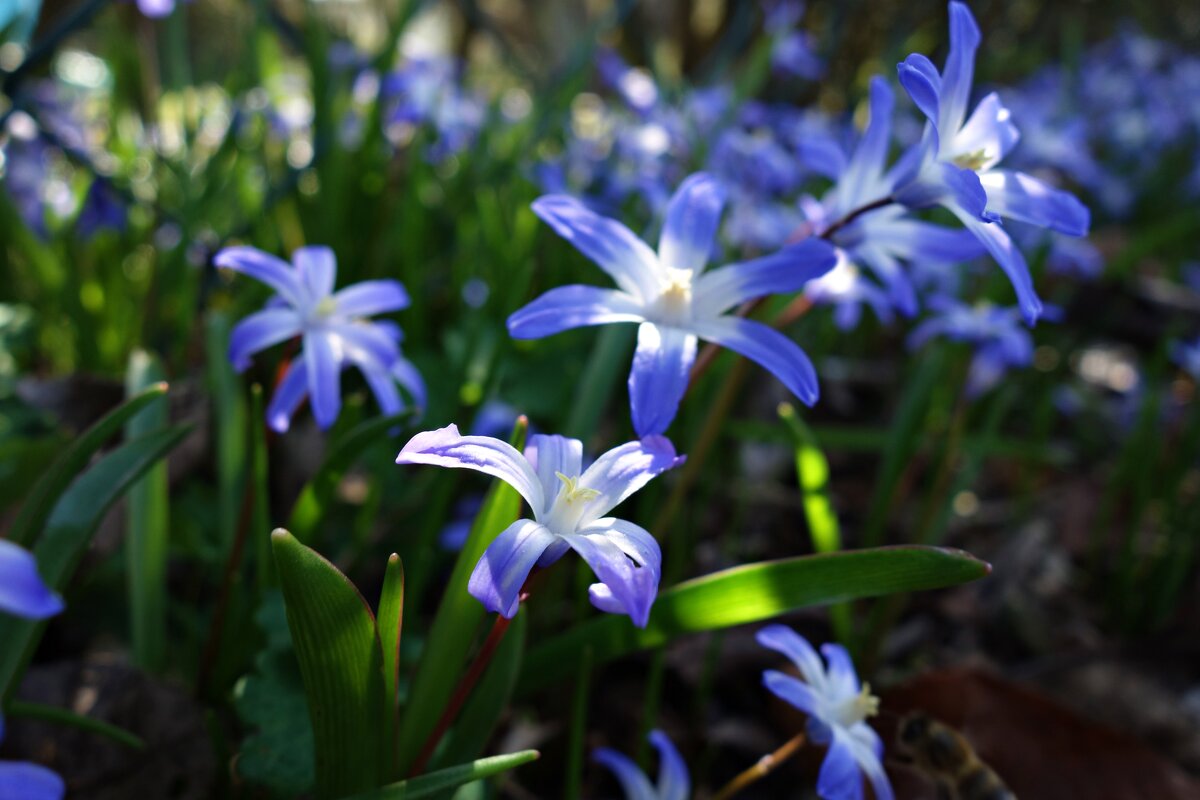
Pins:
x: 440, y: 781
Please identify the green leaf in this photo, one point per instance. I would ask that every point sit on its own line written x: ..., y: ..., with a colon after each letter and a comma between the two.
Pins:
x: 457, y: 619
x: 313, y: 503
x: 488, y: 700
x: 229, y: 425
x: 440, y: 781
x: 341, y: 662
x: 754, y: 593
x: 62, y: 716
x: 46, y: 492
x: 389, y: 624
x: 68, y: 531
x: 147, y: 527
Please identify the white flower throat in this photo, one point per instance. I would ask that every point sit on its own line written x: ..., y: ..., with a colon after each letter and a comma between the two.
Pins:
x: 854, y: 710
x: 569, y: 505
x: 674, y: 303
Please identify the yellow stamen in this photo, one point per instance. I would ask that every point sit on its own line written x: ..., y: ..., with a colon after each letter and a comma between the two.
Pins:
x: 574, y: 491
x: 972, y: 161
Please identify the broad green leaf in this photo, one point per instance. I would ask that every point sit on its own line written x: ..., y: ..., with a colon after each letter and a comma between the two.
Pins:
x: 46, y: 492
x: 68, y: 531
x: 341, y: 662
x: 437, y: 782
x: 147, y: 526
x: 754, y: 593
x: 313, y: 502
x: 488, y: 700
x: 458, y: 618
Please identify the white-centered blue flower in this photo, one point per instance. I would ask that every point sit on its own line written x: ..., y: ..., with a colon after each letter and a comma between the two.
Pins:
x: 955, y: 164
x: 837, y: 708
x: 674, y: 783
x: 569, y: 504
x: 334, y: 329
x: 672, y: 299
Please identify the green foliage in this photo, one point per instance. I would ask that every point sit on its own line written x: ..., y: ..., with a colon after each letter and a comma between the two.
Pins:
x: 435, y: 783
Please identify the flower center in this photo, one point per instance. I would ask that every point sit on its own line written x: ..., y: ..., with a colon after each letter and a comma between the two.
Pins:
x: 325, y: 307
x: 674, y: 304
x: 973, y: 161
x: 855, y: 709
x: 568, y: 507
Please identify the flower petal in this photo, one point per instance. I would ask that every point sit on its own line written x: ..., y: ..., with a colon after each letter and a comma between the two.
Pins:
x: 371, y: 297
x: 1025, y: 198
x: 501, y: 572
x: 551, y: 455
x: 274, y: 272
x: 839, y: 778
x: 868, y: 752
x: 690, y: 228
x: 786, y: 270
x: 445, y: 447
x: 867, y: 163
x: 893, y: 275
x: 623, y: 470
x: 784, y: 640
x: 573, y: 306
x: 777, y: 353
x: 318, y: 270
x: 366, y: 341
x: 259, y: 331
x: 959, y: 73
x: 912, y: 239
x: 623, y: 588
x: 790, y: 690
x: 608, y: 243
x: 843, y: 679
x: 289, y: 394
x: 998, y: 243
x: 662, y: 366
x: 988, y: 135
x: 634, y: 540
x: 674, y: 783
x: 633, y: 781
x: 411, y: 381
x: 324, y: 378
x: 22, y: 590
x: 921, y: 80
x: 22, y: 780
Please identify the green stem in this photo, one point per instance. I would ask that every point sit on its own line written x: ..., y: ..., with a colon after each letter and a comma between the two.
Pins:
x: 60, y: 716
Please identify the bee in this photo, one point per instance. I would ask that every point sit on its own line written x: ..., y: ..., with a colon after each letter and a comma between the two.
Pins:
x: 944, y: 754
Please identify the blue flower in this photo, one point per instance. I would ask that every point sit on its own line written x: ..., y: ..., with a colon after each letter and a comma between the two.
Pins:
x: 22, y: 591
x: 568, y: 504
x: 102, y: 208
x: 955, y: 163
x: 28, y: 781
x: 1001, y: 342
x: 674, y: 302
x: 884, y: 238
x: 837, y: 709
x: 674, y: 783
x: 334, y: 328
x: 156, y: 9
x: 1187, y: 356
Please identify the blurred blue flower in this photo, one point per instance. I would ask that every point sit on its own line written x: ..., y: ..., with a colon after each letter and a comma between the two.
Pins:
x: 792, y: 51
x: 954, y: 164
x: 25, y: 161
x: 674, y: 783
x: 1001, y: 342
x: 568, y: 504
x: 674, y: 302
x: 837, y: 708
x: 156, y: 9
x: 1187, y: 356
x: 23, y: 780
x: 635, y: 86
x: 334, y: 329
x: 102, y: 209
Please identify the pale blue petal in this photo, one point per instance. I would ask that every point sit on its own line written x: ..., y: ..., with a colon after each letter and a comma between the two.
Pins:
x: 21, y: 780
x: 790, y: 690
x: 274, y: 272
x: 156, y: 9
x: 900, y: 289
x: 608, y: 243
x: 920, y: 79
x: 573, y: 306
x: 842, y: 678
x: 691, y: 224
x: 867, y: 163
x: 289, y: 394
x: 1025, y: 198
x: 324, y: 379
x: 365, y: 341
x: 551, y: 455
x: 868, y: 752
x: 259, y: 331
x: 839, y: 778
x: 784, y: 640
x: 22, y: 591
x: 1010, y: 260
x: 501, y: 572
x: 383, y: 386
x: 624, y: 588
x: 371, y: 297
x: 912, y: 239
x: 822, y: 155
x: 989, y: 133
x: 318, y: 270
x: 411, y: 381
x: 445, y: 447
x: 634, y: 540
x: 674, y: 783
x: 784, y: 271
x: 942, y: 183
x: 623, y: 470
x: 633, y: 781
x: 768, y: 347
x: 959, y: 73
x: 662, y: 366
